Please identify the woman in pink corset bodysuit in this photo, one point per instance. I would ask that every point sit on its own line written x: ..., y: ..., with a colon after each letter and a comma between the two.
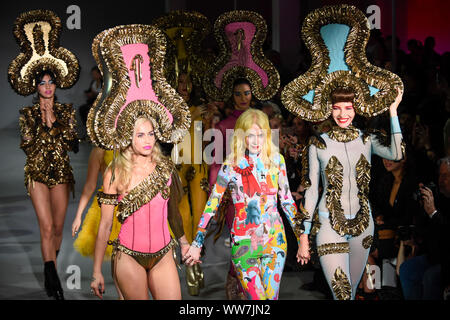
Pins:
x: 147, y: 189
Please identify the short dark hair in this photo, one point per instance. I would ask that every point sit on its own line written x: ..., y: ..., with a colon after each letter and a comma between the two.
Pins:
x: 38, y: 78
x: 342, y: 94
x: 239, y: 81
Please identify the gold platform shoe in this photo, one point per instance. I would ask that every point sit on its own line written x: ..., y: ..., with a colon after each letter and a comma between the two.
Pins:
x: 191, y: 281
x: 199, y: 276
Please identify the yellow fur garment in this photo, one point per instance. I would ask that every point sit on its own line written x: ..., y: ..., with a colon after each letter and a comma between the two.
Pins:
x: 85, y: 242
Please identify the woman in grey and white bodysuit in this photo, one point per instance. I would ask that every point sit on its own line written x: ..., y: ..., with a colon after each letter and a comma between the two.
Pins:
x: 341, y: 158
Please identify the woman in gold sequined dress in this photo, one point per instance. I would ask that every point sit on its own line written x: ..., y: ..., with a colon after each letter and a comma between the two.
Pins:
x: 48, y: 132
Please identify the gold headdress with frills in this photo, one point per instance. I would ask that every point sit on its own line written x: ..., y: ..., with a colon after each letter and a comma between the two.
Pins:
x: 337, y: 37
x: 131, y: 60
x: 37, y: 33
x: 185, y: 32
x: 240, y: 35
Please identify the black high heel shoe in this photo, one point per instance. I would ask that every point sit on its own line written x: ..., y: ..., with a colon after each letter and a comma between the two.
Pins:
x: 51, y: 282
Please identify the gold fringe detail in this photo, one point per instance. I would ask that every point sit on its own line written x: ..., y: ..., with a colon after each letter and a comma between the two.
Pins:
x: 341, y: 285
x: 367, y: 242
x: 101, y: 124
x: 108, y: 199
x: 339, y: 223
x: 224, y: 91
x: 38, y: 38
x: 47, y: 159
x: 190, y: 28
x: 117, y: 246
x: 331, y: 248
x: 319, y: 143
x: 343, y: 134
x: 361, y: 75
x: 302, y: 214
x: 403, y: 147
x: 145, y: 191
x: 60, y: 61
x: 316, y: 223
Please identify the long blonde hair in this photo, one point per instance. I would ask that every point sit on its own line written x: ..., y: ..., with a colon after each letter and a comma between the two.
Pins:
x: 122, y: 164
x: 243, y: 124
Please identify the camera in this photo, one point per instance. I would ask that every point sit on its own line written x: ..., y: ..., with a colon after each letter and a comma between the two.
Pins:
x: 417, y: 195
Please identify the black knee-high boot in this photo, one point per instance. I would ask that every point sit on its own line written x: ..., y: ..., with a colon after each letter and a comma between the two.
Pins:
x: 52, y: 283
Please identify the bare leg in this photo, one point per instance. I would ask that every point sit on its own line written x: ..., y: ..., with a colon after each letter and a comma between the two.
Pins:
x: 40, y: 198
x: 59, y: 198
x: 163, y: 279
x: 131, y: 278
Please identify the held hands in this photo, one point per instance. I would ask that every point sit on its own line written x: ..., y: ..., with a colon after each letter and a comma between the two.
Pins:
x: 98, y: 285
x: 303, y: 255
x: 184, y: 246
x: 192, y: 256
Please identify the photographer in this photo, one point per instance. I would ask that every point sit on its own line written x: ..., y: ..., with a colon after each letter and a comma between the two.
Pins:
x: 427, y: 276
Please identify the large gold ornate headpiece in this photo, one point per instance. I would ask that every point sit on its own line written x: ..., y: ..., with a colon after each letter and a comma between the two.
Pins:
x: 37, y: 33
x: 131, y: 59
x: 240, y: 35
x: 337, y: 37
x: 185, y: 32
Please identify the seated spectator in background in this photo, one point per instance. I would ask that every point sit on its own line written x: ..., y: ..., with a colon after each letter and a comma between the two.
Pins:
x: 270, y: 108
x: 426, y: 276
x: 276, y: 122
x: 91, y: 93
x: 394, y: 206
x: 394, y: 210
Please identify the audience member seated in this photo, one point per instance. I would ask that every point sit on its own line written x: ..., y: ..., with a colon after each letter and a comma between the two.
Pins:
x: 426, y: 276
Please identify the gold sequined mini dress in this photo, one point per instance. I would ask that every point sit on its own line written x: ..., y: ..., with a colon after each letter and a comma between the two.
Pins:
x: 46, y: 148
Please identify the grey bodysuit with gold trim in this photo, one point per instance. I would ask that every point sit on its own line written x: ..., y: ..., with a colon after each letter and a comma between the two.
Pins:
x: 341, y: 158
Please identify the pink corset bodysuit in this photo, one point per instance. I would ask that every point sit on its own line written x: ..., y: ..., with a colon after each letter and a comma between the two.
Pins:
x: 145, y: 234
x: 146, y: 230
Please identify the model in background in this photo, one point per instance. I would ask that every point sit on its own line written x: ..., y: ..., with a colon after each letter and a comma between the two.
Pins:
x: 48, y: 129
x: 186, y: 65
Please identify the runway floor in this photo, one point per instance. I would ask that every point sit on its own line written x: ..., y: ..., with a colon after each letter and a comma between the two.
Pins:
x: 21, y: 275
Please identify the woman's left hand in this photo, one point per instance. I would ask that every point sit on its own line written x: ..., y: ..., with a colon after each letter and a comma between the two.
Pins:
x: 393, y: 107
x: 192, y: 256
